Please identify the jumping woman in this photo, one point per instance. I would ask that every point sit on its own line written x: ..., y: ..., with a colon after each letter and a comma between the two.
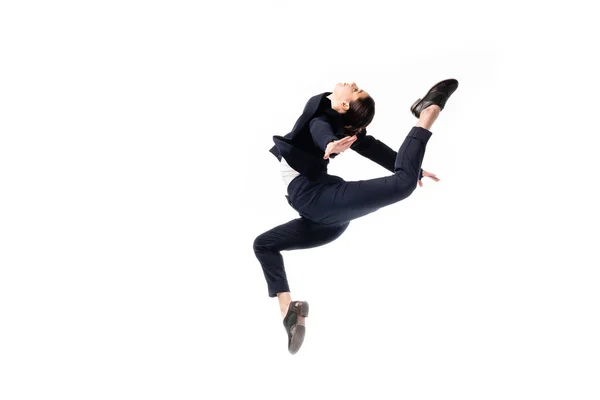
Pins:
x: 331, y: 123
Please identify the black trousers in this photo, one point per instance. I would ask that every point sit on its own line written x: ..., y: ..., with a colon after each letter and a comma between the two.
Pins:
x: 328, y: 204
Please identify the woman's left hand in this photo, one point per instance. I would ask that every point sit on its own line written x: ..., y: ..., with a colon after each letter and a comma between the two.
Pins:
x: 339, y: 146
x: 428, y: 175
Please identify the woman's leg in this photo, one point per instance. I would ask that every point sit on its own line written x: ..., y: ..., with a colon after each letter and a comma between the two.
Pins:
x: 345, y: 201
x: 296, y: 234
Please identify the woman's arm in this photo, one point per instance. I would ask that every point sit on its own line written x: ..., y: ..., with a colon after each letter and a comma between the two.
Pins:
x: 321, y: 132
x: 377, y: 151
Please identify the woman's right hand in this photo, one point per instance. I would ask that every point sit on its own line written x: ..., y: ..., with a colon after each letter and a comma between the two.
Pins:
x: 339, y: 146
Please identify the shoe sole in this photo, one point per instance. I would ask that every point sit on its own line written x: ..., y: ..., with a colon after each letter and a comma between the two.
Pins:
x: 300, y: 330
x: 416, y: 103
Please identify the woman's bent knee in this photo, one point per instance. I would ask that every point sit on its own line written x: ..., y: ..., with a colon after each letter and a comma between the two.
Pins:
x: 261, y: 244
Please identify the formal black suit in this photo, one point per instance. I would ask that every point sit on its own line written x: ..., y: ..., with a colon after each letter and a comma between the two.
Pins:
x: 327, y: 203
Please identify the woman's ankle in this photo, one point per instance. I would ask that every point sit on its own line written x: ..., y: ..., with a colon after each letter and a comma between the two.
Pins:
x: 428, y: 116
x: 285, y: 298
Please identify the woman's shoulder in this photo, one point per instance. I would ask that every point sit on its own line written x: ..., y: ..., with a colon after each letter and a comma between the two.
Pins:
x: 317, y: 102
x: 318, y: 106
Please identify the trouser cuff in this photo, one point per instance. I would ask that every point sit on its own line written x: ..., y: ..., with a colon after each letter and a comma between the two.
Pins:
x: 278, y: 287
x: 420, y: 133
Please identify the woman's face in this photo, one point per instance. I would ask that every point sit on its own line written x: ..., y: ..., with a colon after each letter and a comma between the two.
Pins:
x: 348, y: 92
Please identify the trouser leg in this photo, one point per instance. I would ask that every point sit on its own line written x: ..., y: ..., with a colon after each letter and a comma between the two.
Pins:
x: 296, y: 234
x: 344, y: 201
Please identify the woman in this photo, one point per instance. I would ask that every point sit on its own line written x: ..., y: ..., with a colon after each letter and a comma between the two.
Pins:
x: 331, y: 123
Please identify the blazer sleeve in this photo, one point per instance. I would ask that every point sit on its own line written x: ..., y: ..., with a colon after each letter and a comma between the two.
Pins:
x: 321, y: 132
x: 378, y: 152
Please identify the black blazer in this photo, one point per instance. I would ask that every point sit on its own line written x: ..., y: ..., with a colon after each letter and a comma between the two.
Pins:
x: 303, y: 148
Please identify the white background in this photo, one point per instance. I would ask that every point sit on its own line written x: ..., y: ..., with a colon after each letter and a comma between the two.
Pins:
x: 135, y: 175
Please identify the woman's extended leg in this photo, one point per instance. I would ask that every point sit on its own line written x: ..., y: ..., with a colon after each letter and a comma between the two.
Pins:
x: 342, y: 202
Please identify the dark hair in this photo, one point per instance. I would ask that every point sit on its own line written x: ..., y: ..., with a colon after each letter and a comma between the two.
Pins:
x: 359, y: 115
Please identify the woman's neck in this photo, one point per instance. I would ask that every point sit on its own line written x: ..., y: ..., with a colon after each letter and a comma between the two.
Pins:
x: 335, y: 104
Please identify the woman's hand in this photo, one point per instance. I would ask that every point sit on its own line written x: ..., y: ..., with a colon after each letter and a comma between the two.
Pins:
x: 428, y: 175
x: 339, y: 146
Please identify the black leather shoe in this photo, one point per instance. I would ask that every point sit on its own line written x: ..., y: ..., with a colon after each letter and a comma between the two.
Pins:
x: 295, y: 324
x: 438, y: 95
